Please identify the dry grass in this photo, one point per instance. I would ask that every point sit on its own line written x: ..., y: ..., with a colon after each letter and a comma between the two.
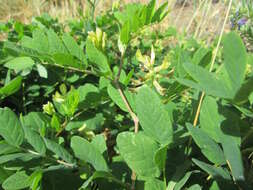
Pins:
x: 24, y: 10
x: 202, y: 22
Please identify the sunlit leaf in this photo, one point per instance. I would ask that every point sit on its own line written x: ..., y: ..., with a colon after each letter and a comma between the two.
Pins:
x: 153, y: 115
x: 86, y: 151
x: 139, y: 158
x: 11, y: 129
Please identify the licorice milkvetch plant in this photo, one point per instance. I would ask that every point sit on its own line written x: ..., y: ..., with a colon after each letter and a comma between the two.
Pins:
x: 108, y: 106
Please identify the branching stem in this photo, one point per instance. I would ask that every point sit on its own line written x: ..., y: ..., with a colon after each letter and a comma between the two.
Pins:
x: 130, y: 111
x: 70, y: 68
x: 69, y: 165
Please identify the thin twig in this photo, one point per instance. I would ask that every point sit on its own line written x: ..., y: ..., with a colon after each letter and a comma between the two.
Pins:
x: 133, y: 178
x: 120, y: 68
x: 123, y: 97
x: 220, y: 37
x: 62, y: 127
x: 49, y: 158
x: 70, y: 68
x: 198, y: 109
x: 65, y: 163
x: 129, y: 109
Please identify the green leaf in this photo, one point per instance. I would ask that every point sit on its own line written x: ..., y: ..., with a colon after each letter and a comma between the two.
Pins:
x: 153, y: 116
x: 122, y: 77
x: 160, y: 13
x: 35, y: 140
x: 227, y: 83
x: 16, y: 156
x: 20, y: 64
x: 17, y: 50
x: 55, y: 123
x: 97, y: 58
x: 28, y: 42
x: 210, y: 119
x: 42, y: 71
x: 35, y: 120
x: 11, y: 129
x: 67, y: 60
x: 131, y: 14
x: 150, y: 11
x: 155, y: 184
x: 216, y: 172
x: 101, y: 174
x: 87, y: 122
x: 88, y: 96
x: 207, y: 81
x: 125, y: 33
x: 128, y: 77
x: 202, y: 57
x: 142, y: 16
x: 3, y: 175
x: 86, y: 151
x: 5, y: 148
x: 231, y: 126
x: 160, y: 157
x: 40, y: 41
x: 12, y: 87
x: 117, y: 99
x: 182, y: 181
x: 138, y: 150
x: 214, y: 186
x: 244, y: 92
x: 178, y: 175
x: 59, y: 150
x: 70, y: 104
x: 233, y: 156
x: 55, y: 44
x: 73, y: 47
x: 35, y: 179
x: 195, y: 187
x: 17, y: 181
x: 235, y: 59
x: 208, y: 147
x: 99, y: 142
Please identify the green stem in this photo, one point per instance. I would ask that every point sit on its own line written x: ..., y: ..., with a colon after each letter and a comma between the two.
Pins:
x: 130, y: 111
x: 69, y: 165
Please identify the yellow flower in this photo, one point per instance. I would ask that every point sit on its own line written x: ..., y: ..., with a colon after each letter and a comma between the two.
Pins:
x: 98, y: 38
